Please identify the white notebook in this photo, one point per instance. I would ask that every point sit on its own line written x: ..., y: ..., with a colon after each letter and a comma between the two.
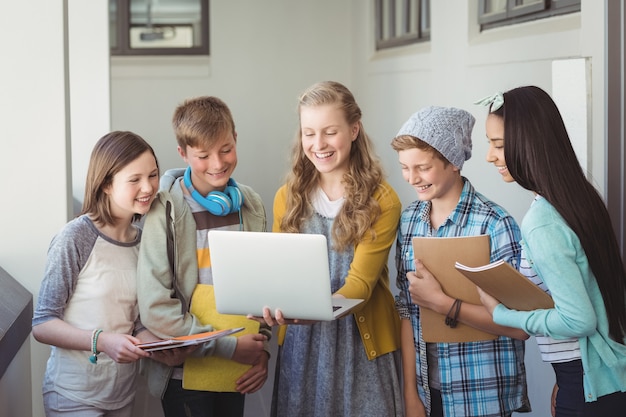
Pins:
x: 289, y: 271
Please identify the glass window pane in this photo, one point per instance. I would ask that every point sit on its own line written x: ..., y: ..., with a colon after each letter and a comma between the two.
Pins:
x: 401, y: 22
x: 425, y: 15
x: 413, y: 17
x: 165, y: 24
x: 399, y: 19
x: 113, y: 23
x: 494, y: 6
x: 384, y: 19
x: 495, y: 13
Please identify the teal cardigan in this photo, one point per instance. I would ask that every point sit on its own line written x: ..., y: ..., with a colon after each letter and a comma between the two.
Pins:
x: 556, y: 255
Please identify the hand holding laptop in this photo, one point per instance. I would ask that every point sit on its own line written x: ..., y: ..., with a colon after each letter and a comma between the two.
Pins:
x: 278, y: 318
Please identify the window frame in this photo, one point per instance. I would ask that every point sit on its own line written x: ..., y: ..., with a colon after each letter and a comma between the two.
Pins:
x: 122, y: 31
x: 525, y: 12
x: 615, y: 114
x: 405, y: 38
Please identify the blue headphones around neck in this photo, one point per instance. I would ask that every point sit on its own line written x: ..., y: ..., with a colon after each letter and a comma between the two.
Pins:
x: 219, y: 203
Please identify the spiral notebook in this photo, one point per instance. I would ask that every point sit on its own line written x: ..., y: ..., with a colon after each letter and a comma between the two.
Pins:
x: 289, y: 271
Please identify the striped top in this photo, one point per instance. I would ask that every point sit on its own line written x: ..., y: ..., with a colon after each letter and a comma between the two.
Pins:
x: 206, y: 221
x: 552, y: 350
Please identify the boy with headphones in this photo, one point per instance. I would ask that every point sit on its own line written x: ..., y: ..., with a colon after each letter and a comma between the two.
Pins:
x: 174, y: 287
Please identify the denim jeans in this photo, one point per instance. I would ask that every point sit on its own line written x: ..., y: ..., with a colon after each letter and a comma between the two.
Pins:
x: 179, y: 402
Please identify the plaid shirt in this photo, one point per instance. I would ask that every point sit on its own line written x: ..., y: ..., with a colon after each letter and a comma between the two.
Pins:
x: 486, y: 378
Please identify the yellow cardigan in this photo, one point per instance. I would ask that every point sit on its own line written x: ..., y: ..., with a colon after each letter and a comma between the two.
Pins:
x: 368, y: 277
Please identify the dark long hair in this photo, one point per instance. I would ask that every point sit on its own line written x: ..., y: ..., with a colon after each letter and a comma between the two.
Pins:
x: 540, y: 157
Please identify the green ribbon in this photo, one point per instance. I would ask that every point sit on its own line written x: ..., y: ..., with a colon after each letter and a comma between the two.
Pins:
x: 495, y: 101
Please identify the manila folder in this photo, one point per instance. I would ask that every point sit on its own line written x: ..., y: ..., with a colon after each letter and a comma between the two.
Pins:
x: 439, y: 255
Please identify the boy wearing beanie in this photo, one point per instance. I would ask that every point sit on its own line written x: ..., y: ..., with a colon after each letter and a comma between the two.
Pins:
x: 484, y: 378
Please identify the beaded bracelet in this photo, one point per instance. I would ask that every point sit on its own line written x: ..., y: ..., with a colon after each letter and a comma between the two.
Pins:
x: 94, y: 342
x: 453, y: 320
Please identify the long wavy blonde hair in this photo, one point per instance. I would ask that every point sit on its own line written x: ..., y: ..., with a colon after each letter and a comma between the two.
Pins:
x: 363, y: 178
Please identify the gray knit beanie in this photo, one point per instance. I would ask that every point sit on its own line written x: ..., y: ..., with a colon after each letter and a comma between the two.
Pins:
x: 447, y: 129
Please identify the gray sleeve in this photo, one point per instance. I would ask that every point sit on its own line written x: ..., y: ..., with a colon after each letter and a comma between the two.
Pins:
x: 67, y: 254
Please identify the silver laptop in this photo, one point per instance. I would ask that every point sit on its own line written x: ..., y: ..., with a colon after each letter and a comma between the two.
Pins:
x: 252, y: 270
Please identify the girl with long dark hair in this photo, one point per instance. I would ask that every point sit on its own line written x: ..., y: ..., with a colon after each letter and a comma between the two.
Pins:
x: 570, y: 248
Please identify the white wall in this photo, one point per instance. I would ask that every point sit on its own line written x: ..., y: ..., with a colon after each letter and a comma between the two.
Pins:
x: 461, y: 65
x: 34, y: 173
x: 457, y: 67
x: 263, y: 54
x: 48, y: 38
x: 90, y: 95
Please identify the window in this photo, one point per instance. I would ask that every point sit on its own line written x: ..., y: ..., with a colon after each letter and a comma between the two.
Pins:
x: 159, y: 27
x: 493, y: 13
x: 401, y: 22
